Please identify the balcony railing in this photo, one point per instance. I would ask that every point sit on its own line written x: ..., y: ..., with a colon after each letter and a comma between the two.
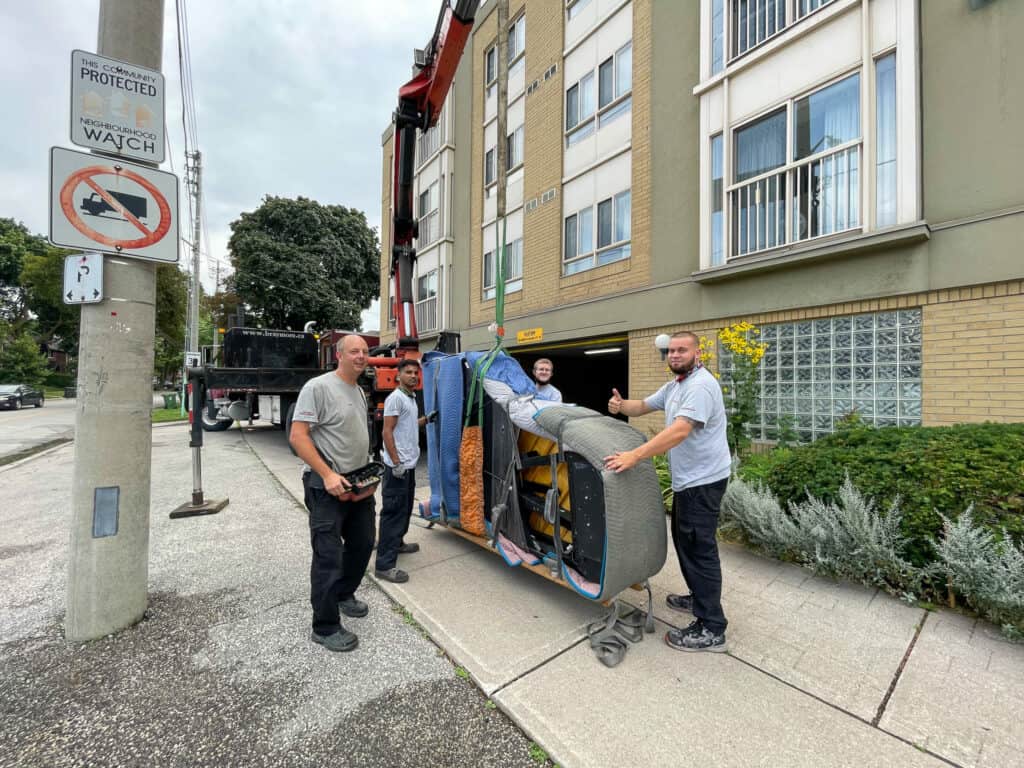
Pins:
x: 818, y: 197
x: 426, y: 314
x: 427, y: 144
x: 430, y: 229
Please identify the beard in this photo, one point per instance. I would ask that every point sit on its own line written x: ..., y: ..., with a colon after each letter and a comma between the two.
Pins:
x: 680, y: 368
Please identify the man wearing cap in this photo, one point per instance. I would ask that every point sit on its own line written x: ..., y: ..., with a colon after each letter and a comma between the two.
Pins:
x: 695, y: 438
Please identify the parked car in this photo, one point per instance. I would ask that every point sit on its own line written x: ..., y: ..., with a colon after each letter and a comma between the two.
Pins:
x: 17, y: 395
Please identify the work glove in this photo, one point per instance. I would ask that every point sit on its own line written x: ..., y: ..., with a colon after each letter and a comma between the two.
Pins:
x: 431, y: 417
x: 398, y: 471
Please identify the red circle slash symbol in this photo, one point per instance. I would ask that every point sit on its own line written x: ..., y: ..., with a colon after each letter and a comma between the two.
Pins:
x: 85, y: 176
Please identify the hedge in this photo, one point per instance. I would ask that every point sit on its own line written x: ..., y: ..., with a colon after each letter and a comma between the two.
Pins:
x: 934, y: 471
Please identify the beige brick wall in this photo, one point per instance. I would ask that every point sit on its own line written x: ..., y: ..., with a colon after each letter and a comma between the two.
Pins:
x: 974, y: 357
x: 543, y: 284
x: 972, y: 347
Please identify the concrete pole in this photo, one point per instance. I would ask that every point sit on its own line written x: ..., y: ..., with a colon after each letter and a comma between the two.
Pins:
x: 197, y: 193
x: 108, y: 563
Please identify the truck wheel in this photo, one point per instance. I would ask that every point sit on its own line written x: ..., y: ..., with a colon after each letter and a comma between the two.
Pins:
x: 288, y: 428
x: 212, y: 424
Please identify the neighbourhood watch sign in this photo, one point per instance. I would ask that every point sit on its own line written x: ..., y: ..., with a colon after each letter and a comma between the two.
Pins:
x: 117, y: 108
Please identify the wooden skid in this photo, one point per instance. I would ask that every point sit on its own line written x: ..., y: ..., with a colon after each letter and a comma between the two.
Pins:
x: 540, y: 569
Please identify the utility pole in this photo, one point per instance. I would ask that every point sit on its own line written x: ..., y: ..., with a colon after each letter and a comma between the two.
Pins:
x: 196, y: 188
x: 108, y: 563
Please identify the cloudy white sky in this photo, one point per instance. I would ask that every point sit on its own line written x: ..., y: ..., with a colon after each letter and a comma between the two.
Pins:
x: 291, y: 99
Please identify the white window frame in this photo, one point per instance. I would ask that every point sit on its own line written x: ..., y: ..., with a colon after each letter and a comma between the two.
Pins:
x: 492, y: 166
x: 573, y: 7
x: 426, y: 302
x: 490, y: 58
x: 428, y: 143
x: 792, y: 12
x: 514, y: 148
x: 516, y: 43
x: 432, y: 214
x: 573, y: 264
x: 622, y: 99
x: 514, y: 281
x: 789, y: 170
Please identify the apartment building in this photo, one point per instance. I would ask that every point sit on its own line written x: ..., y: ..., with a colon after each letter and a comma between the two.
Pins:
x: 843, y: 173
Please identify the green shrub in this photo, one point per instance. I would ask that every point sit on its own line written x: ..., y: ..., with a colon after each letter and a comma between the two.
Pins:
x: 59, y: 380
x: 931, y: 471
x: 847, y: 539
x: 988, y: 573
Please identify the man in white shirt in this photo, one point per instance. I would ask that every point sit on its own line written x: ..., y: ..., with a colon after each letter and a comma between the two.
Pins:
x: 401, y: 436
x: 543, y: 370
x: 695, y: 438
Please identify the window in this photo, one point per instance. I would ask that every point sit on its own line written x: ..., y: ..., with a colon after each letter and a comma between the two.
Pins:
x: 490, y: 71
x: 426, y: 301
x: 613, y: 224
x: 429, y: 216
x: 428, y: 143
x: 573, y: 7
x: 804, y: 7
x: 614, y: 85
x: 513, y: 270
x: 717, y: 35
x: 490, y: 167
x: 717, y: 205
x: 885, y: 138
x: 516, y: 42
x: 754, y: 21
x: 781, y: 194
x: 514, y: 148
x: 815, y: 372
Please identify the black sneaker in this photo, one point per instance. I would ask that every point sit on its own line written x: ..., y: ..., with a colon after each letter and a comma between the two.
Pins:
x: 394, y: 575
x: 695, y: 637
x: 354, y: 608
x: 340, y: 641
x: 408, y: 549
x: 681, y: 603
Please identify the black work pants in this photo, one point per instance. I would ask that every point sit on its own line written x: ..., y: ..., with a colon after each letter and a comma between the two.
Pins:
x: 397, y: 495
x: 341, y: 535
x: 694, y: 523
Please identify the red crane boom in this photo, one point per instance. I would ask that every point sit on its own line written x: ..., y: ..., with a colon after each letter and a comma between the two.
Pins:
x: 419, y: 106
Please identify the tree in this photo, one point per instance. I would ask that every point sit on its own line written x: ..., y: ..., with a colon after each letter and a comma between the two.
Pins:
x: 171, y: 307
x: 21, y: 362
x: 16, y: 242
x: 298, y: 260
x: 42, y: 279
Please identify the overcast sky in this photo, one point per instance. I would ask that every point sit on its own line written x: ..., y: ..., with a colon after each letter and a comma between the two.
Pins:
x: 291, y: 99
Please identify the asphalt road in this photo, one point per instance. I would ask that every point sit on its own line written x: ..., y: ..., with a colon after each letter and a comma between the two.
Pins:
x: 31, y: 427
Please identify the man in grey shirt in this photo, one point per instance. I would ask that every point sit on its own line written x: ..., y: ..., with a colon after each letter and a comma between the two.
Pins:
x: 543, y: 370
x: 695, y: 438
x: 330, y: 434
x: 401, y: 437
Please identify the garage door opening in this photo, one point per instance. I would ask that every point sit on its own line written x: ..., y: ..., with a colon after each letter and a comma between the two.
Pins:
x: 586, y: 370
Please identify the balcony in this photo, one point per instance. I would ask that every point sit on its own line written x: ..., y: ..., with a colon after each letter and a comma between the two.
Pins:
x: 426, y: 314
x: 813, y: 198
x: 430, y: 229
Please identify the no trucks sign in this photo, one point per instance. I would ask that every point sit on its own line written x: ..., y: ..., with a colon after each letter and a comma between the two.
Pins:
x: 117, y: 108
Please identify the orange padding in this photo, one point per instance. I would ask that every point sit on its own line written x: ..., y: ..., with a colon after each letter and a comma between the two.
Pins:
x: 471, y: 482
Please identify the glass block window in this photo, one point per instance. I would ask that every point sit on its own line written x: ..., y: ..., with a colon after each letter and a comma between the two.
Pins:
x: 815, y: 372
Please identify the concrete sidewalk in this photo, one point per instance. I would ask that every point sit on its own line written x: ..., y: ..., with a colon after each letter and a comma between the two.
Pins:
x: 222, y: 673
x: 818, y: 672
